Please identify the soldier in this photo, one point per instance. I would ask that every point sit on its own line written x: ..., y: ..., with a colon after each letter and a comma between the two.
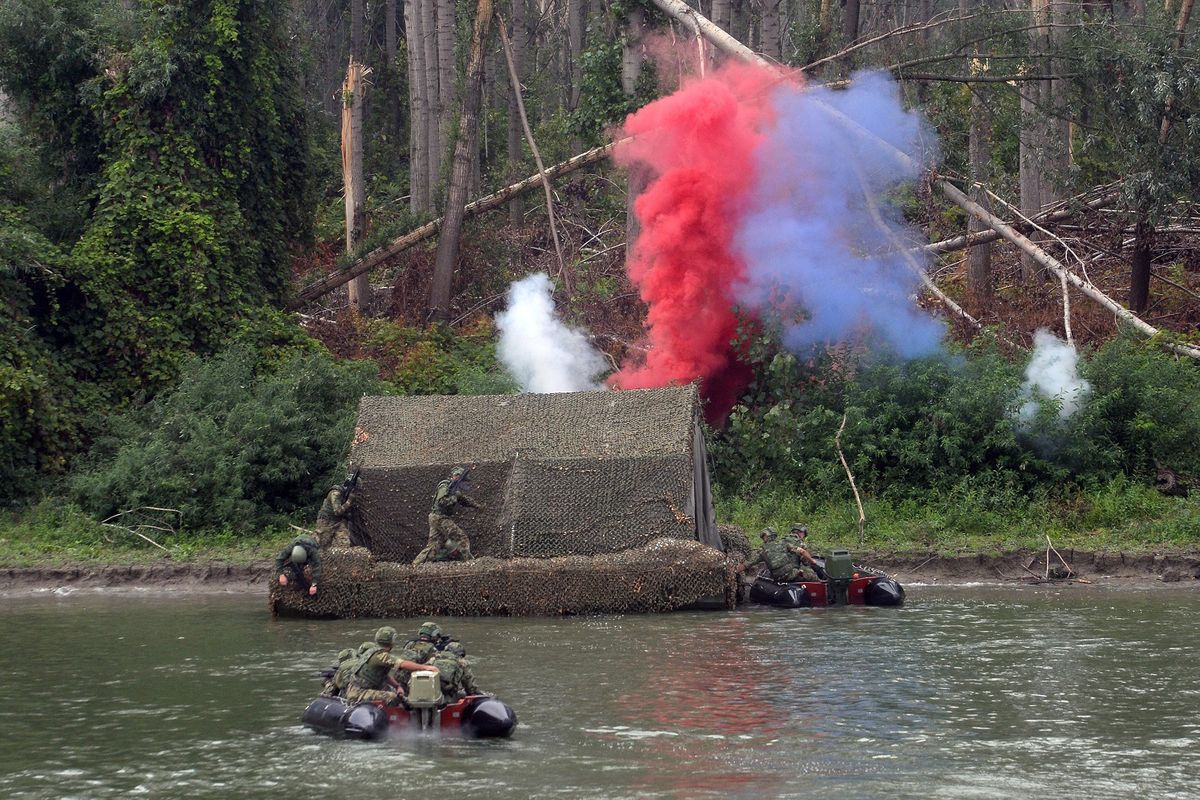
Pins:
x: 338, y: 672
x: 333, y: 520
x: 447, y: 541
x: 292, y: 560
x: 372, y: 671
x: 455, y: 673
x: 799, y: 547
x: 782, y: 557
x: 425, y: 646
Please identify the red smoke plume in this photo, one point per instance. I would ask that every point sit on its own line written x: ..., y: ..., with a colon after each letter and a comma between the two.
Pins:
x: 699, y: 143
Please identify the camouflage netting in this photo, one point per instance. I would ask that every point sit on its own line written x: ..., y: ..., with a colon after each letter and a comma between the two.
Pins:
x: 592, y: 502
x: 662, y: 575
x: 581, y: 473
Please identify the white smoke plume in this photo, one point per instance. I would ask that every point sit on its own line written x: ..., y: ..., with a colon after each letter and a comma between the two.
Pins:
x: 540, y: 352
x: 1052, y: 372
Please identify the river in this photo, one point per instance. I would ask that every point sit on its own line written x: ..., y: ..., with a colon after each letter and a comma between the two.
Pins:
x: 965, y: 692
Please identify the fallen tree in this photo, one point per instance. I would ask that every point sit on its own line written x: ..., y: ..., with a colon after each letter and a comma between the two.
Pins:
x: 382, y: 255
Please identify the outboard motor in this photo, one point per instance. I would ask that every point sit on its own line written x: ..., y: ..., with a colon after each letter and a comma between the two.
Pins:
x: 424, y: 697
x: 884, y: 592
x: 489, y: 718
x: 331, y: 716
x: 838, y: 572
x: 780, y: 595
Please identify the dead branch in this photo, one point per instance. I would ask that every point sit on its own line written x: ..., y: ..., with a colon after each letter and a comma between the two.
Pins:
x: 537, y: 156
x: 1050, y: 548
x: 862, y: 517
x: 382, y: 255
x: 983, y: 237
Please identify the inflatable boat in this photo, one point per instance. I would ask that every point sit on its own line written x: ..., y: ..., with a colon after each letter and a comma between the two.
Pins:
x: 475, y: 716
x: 845, y: 583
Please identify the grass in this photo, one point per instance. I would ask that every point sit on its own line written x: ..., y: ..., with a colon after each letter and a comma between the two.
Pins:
x: 1120, y: 516
x: 54, y: 533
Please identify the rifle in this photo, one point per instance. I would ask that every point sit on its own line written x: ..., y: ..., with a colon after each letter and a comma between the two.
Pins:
x: 351, y: 483
x: 457, y: 483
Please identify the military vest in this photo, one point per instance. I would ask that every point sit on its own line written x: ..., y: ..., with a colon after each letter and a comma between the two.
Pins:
x: 443, y: 501
x: 450, y: 673
x: 419, y: 652
x: 777, y: 557
x: 371, y: 671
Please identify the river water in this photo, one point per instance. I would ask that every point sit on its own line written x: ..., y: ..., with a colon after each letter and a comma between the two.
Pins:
x: 965, y: 692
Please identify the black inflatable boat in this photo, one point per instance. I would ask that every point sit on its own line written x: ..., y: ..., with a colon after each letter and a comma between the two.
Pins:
x: 476, y: 717
x: 845, y: 584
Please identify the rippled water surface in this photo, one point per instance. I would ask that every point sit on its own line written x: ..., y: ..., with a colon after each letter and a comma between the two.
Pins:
x: 966, y: 692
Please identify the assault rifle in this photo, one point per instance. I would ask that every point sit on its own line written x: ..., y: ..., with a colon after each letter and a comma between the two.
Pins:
x: 457, y: 484
x: 351, y: 482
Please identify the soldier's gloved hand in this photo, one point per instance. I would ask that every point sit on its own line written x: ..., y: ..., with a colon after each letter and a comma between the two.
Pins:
x: 312, y: 590
x: 283, y: 580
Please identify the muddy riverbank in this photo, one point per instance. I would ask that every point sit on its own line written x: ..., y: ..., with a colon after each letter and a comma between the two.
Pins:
x: 1109, y: 568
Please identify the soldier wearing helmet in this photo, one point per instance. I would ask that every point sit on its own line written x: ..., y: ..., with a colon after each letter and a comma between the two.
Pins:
x: 798, y: 547
x: 370, y: 680
x: 292, y: 560
x: 455, y: 673
x: 426, y: 645
x: 338, y: 673
x: 447, y: 541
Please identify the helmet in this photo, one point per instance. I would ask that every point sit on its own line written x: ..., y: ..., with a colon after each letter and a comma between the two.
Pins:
x: 343, y: 655
x: 299, y: 554
x: 458, y: 471
x: 800, y: 528
x: 385, y: 635
x: 456, y: 648
x: 429, y: 631
x: 768, y: 534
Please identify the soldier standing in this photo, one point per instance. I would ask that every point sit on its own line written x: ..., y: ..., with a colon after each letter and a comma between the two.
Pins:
x: 447, y: 541
x: 291, y: 562
x: 370, y: 677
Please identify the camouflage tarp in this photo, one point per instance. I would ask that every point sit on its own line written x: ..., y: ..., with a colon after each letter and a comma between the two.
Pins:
x: 580, y: 473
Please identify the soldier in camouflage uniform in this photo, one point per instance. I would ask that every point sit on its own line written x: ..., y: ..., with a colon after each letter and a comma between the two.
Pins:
x: 372, y: 669
x: 782, y: 557
x: 447, y: 541
x: 425, y: 646
x: 291, y: 561
x: 333, y: 520
x: 339, y: 672
x: 455, y: 673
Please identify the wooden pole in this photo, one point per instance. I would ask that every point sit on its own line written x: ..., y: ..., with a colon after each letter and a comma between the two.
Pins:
x: 537, y: 156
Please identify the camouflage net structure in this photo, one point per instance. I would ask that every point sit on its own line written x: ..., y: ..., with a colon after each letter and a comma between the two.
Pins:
x: 576, y: 473
x: 662, y: 575
x: 592, y: 502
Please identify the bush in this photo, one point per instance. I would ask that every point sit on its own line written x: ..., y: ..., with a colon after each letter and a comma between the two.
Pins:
x: 237, y: 444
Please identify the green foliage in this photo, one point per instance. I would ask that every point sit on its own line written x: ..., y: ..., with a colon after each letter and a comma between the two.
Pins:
x: 437, y: 360
x: 602, y: 99
x: 238, y: 444
x: 947, y: 425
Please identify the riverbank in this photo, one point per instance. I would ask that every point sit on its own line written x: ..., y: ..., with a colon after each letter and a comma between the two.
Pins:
x: 1135, y: 570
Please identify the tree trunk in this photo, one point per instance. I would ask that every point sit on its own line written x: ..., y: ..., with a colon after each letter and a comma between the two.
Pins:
x: 631, y: 70
x: 979, y: 267
x: 516, y: 157
x: 722, y: 13
x: 1033, y: 137
x: 389, y: 32
x: 352, y: 176
x: 1139, y: 274
x: 418, y: 163
x: 576, y: 22
x: 456, y: 197
x: 430, y: 39
x: 356, y: 30
x: 772, y: 44
x: 850, y: 21
x: 447, y: 69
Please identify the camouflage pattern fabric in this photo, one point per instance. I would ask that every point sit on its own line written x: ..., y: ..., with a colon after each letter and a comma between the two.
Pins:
x: 445, y: 537
x: 447, y: 502
x: 455, y: 675
x: 419, y: 651
x: 311, y: 547
x: 333, y: 520
x: 357, y: 694
x: 785, y: 565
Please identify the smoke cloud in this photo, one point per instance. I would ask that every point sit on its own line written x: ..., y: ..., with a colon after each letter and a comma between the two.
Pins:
x: 758, y: 203
x: 540, y: 352
x: 1052, y: 373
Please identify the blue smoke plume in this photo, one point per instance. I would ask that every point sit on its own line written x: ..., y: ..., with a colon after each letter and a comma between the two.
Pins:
x: 814, y: 256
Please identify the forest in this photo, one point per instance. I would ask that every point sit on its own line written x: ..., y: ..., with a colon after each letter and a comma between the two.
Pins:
x: 935, y: 266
